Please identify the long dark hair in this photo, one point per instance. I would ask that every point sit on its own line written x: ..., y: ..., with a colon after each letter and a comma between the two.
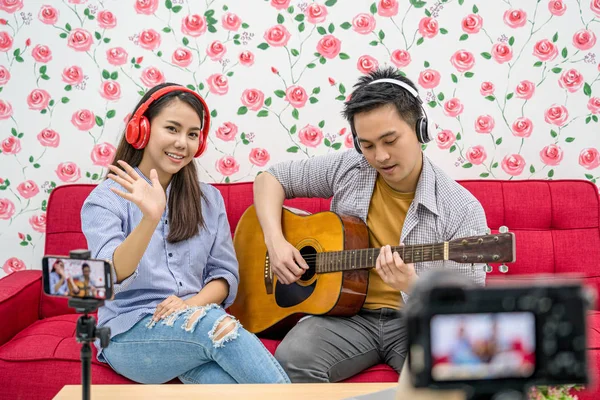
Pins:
x: 185, y: 210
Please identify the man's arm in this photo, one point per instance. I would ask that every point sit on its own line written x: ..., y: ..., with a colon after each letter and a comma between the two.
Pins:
x: 313, y: 177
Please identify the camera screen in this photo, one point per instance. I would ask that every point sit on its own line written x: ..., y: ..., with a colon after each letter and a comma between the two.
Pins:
x: 76, y: 278
x: 482, y: 346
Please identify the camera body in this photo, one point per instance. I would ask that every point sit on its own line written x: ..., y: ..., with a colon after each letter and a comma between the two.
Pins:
x: 77, y: 276
x: 498, y: 338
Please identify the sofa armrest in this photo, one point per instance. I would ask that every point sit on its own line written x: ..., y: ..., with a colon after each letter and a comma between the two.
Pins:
x: 19, y: 302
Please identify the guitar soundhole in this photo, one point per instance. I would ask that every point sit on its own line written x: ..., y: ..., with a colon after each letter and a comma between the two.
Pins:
x: 310, y: 256
x: 294, y: 294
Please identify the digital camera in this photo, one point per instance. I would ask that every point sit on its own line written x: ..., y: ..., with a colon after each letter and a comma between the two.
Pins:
x: 508, y: 336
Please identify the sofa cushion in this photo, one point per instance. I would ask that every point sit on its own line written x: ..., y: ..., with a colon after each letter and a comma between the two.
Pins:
x: 52, y: 342
x: 19, y: 302
x: 556, y: 224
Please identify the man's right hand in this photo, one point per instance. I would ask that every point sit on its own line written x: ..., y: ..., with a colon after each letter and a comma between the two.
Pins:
x: 286, y: 262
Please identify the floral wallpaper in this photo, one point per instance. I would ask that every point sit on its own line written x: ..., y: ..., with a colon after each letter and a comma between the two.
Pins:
x: 512, y: 86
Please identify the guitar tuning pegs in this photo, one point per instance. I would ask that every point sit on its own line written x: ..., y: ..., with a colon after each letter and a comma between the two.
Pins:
x: 487, y: 268
x: 503, y: 229
x: 503, y: 268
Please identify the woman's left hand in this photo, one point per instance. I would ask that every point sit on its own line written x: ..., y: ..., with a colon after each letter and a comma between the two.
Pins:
x: 170, y: 305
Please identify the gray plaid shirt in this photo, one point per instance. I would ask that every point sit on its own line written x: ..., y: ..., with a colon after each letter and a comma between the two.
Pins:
x: 441, y: 210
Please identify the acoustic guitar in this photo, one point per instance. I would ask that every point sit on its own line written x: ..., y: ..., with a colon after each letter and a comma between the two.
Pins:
x: 336, y: 249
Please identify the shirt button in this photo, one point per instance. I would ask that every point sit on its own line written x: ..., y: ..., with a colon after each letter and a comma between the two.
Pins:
x: 170, y: 254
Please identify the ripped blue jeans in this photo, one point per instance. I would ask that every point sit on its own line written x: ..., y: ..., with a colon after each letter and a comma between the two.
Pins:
x: 196, y: 345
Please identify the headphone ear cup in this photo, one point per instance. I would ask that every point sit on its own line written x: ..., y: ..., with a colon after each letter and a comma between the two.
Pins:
x: 420, y: 130
x: 203, y: 138
x: 132, y: 131
x: 201, y: 146
x: 144, y: 128
x: 429, y: 129
x: 423, y: 130
x: 356, y: 143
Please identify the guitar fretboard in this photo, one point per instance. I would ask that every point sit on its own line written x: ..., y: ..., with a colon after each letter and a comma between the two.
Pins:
x: 347, y: 260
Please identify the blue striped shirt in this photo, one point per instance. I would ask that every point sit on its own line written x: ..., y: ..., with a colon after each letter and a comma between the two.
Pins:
x: 181, y: 269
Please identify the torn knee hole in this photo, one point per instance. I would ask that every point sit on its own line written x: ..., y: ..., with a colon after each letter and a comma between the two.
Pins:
x: 225, y: 327
x: 194, y: 318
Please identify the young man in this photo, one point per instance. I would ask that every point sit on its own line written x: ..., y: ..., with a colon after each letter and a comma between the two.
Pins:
x: 401, y: 196
x: 83, y: 286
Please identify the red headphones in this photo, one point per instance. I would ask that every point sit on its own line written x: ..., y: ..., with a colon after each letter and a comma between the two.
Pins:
x: 137, y: 132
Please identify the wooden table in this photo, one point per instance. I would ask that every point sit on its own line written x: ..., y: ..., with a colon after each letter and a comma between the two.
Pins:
x: 304, y: 391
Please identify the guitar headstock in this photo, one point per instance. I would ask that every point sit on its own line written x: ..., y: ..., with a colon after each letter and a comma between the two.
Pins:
x: 496, y: 248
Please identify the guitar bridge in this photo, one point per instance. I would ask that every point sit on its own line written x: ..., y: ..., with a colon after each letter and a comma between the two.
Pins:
x: 268, y: 275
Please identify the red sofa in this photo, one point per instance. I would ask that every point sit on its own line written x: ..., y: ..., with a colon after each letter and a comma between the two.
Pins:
x: 557, y: 230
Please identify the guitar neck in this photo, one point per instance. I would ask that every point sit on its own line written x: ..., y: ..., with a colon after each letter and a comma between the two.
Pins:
x: 347, y: 260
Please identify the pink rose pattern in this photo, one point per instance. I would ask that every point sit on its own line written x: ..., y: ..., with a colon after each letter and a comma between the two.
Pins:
x: 103, y: 154
x: 286, y: 75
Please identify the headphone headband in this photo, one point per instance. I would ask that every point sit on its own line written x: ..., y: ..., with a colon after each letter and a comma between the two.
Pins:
x: 161, y: 92
x: 409, y: 88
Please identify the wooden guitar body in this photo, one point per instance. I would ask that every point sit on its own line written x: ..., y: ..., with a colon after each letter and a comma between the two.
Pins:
x: 263, y: 301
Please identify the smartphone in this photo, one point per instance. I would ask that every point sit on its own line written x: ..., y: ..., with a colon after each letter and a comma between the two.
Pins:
x: 80, y: 278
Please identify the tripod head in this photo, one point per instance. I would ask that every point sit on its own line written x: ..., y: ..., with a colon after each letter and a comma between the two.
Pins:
x: 87, y: 331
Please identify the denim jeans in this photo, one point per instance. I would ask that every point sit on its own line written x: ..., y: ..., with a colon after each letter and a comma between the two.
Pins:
x: 197, y: 345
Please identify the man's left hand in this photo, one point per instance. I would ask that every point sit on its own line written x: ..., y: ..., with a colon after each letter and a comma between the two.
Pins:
x: 393, y: 271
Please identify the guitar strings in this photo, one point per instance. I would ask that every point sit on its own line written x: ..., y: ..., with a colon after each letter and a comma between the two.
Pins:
x: 425, y: 250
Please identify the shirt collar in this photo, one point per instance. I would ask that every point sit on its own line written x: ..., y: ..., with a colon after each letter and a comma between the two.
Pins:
x: 425, y: 192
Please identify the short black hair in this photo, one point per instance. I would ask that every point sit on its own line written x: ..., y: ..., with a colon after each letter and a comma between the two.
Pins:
x: 367, y: 97
x: 85, y: 265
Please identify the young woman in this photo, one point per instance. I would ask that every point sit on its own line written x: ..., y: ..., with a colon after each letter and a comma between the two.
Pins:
x: 58, y: 280
x: 175, y: 269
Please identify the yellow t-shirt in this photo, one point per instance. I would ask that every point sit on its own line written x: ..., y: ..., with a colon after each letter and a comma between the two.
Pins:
x: 387, y: 211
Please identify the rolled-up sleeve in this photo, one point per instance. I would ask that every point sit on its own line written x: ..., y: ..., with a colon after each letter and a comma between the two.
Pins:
x: 222, y: 262
x: 102, y: 224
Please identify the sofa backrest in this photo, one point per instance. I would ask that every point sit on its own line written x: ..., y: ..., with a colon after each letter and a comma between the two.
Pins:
x: 556, y: 224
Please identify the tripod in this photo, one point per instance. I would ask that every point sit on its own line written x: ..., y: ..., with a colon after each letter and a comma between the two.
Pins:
x: 86, y: 334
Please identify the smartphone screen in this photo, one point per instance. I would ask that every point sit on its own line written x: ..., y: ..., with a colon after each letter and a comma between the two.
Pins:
x: 69, y: 277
